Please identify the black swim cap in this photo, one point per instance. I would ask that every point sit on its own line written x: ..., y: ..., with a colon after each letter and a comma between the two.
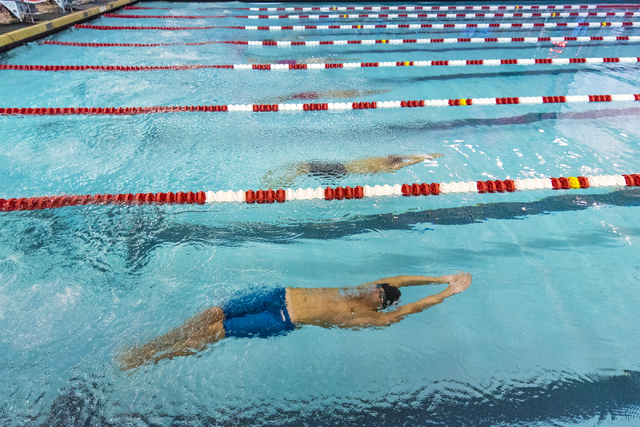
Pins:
x: 394, y: 160
x: 391, y: 294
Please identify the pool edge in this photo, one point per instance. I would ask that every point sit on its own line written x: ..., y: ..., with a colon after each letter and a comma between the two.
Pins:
x: 16, y: 38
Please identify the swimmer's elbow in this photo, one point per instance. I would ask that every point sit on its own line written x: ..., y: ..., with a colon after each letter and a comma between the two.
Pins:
x: 388, y: 319
x: 381, y: 321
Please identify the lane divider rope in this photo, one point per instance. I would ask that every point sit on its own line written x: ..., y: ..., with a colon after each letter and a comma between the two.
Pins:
x: 324, y: 66
x: 77, y: 44
x: 115, y: 15
x: 502, y: 26
x: 431, y: 8
x: 338, y: 193
x: 314, y: 43
x: 449, y: 15
x: 147, y: 8
x: 339, y: 106
x: 410, y: 8
x: 107, y: 27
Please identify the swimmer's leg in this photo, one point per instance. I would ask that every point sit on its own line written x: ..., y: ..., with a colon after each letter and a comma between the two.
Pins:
x: 273, y: 180
x: 194, y: 335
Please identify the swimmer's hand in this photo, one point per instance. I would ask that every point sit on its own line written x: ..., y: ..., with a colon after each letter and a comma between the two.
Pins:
x: 458, y: 282
x: 431, y: 156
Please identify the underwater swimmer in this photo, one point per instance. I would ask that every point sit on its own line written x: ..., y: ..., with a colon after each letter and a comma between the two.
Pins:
x: 278, y: 311
x: 312, y: 60
x: 322, y: 169
x: 325, y: 95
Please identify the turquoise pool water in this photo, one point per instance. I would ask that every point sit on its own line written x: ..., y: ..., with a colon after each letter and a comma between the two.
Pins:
x: 545, y: 335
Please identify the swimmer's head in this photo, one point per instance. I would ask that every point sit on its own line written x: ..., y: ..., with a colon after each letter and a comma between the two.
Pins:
x: 377, y: 295
x: 394, y: 160
x: 389, y: 294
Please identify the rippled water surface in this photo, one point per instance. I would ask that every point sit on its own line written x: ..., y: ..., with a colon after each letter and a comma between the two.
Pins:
x: 545, y: 335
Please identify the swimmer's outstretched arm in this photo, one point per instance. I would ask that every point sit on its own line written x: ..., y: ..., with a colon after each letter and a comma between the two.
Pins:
x: 457, y: 284
x: 422, y: 157
x: 401, y: 281
x: 413, y: 160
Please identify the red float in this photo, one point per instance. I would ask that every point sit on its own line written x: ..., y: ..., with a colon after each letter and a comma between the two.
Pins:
x: 348, y: 193
x: 271, y: 196
x: 201, y: 198
x: 435, y: 188
x: 190, y: 198
x: 328, y: 193
x: 583, y: 181
x: 138, y: 199
x: 358, y: 192
x: 509, y: 185
x: 87, y: 200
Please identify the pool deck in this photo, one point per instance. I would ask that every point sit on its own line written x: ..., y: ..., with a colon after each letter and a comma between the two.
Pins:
x: 14, y: 34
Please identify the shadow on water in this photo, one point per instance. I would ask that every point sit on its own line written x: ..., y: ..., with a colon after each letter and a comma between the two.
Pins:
x: 420, y: 125
x: 134, y: 235
x: 564, y: 398
x: 500, y: 74
x: 523, y: 119
x: 358, y: 224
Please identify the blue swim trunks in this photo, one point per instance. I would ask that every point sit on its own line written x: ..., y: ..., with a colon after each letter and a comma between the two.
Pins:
x: 259, y: 314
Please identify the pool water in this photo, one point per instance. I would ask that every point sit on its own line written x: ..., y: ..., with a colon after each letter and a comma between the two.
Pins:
x: 545, y: 335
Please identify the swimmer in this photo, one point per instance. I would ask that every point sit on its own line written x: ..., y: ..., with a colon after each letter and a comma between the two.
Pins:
x: 322, y: 60
x: 326, y: 95
x: 321, y: 169
x: 278, y: 311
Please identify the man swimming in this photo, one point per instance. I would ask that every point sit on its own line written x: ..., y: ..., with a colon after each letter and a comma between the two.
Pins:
x: 326, y: 95
x: 330, y: 170
x: 278, y: 311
